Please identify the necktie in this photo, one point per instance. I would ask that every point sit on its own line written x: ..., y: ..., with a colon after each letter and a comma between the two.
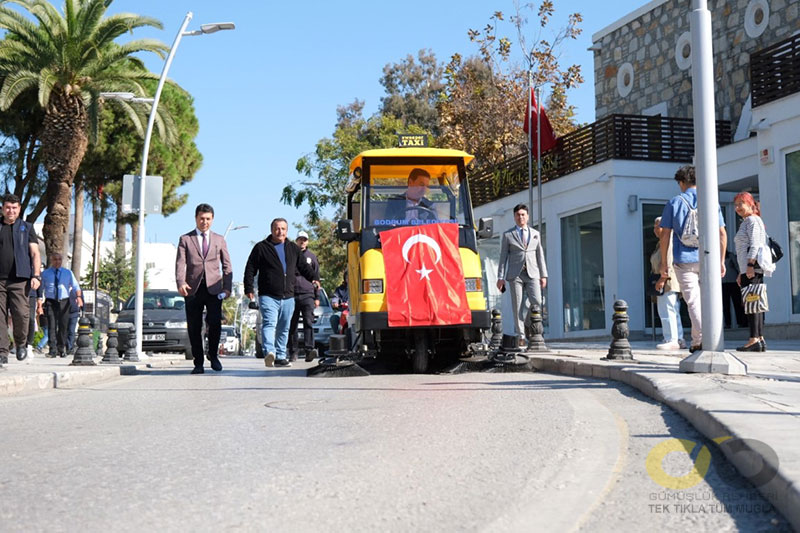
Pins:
x: 205, y: 245
x: 522, y: 237
x: 57, y: 291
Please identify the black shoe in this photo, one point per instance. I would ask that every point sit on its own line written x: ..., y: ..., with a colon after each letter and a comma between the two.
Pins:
x: 755, y: 347
x: 198, y: 370
x: 216, y: 365
x: 63, y: 353
x: 695, y: 349
x: 51, y: 355
x: 311, y: 355
x: 22, y: 353
x: 4, y: 359
x: 282, y: 362
x: 763, y: 344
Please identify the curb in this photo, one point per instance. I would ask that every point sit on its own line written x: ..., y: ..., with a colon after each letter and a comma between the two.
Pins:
x: 21, y: 384
x: 686, y: 402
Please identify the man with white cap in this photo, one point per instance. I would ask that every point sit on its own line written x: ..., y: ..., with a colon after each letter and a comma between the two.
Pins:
x: 306, y: 299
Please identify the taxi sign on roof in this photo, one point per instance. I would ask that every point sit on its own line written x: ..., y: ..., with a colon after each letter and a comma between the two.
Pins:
x: 412, y: 141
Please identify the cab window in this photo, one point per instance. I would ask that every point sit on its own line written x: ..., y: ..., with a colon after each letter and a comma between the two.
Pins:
x: 404, y: 195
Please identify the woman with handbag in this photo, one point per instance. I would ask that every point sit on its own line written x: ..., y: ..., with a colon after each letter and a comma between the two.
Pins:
x: 755, y: 262
x: 668, y: 297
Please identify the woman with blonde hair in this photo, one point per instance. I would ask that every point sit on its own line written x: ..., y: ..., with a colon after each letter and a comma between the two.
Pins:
x: 755, y: 262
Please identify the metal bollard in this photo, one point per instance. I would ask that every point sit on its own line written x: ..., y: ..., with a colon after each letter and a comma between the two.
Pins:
x: 130, y: 354
x: 111, y: 357
x: 536, y: 330
x: 620, y: 346
x: 496, y: 341
x: 84, y: 355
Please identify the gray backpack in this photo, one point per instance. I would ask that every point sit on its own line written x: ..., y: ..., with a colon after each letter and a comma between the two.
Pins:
x: 690, y: 236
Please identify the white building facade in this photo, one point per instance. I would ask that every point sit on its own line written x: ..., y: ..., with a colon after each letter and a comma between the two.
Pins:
x: 608, y: 181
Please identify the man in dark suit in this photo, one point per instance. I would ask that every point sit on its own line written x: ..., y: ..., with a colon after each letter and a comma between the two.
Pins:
x: 413, y: 206
x: 522, y: 266
x: 204, y: 277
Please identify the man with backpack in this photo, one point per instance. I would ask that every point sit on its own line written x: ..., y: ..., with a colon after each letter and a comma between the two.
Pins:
x: 680, y: 223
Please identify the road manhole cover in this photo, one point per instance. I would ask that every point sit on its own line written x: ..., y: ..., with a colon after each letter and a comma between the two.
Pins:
x: 318, y: 405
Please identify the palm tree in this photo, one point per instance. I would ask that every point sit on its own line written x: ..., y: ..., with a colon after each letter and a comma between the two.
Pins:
x: 69, y: 59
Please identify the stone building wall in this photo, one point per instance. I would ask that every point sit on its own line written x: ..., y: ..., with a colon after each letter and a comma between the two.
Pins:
x: 636, y: 68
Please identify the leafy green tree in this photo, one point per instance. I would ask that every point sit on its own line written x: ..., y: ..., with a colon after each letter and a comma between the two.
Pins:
x: 20, y: 154
x: 116, y: 276
x: 68, y: 60
x: 325, y: 172
x: 331, y: 252
x: 118, y: 151
x: 485, y: 96
x: 413, y: 87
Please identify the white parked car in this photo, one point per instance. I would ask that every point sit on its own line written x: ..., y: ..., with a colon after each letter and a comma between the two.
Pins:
x: 229, y: 341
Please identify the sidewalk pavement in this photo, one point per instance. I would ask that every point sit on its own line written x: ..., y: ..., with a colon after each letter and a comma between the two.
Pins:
x: 760, y: 411
x: 42, y: 373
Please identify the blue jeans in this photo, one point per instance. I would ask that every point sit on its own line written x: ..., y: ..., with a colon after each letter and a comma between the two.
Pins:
x: 43, y: 342
x: 276, y: 316
x: 669, y: 311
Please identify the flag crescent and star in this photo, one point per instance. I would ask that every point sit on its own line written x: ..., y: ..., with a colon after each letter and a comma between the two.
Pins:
x: 424, y: 276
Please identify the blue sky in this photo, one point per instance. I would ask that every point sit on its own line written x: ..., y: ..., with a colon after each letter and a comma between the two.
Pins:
x: 266, y: 92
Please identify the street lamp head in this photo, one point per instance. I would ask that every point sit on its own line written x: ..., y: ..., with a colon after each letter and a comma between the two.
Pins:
x: 217, y: 26
x: 118, y: 96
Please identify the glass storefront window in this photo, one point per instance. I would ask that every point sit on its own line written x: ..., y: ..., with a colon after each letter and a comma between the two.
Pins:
x: 582, y: 271
x: 793, y: 194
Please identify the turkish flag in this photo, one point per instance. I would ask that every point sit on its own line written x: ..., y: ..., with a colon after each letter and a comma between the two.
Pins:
x: 424, y: 277
x: 548, y: 137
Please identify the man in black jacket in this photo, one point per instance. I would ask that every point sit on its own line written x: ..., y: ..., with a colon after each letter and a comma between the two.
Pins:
x: 276, y: 261
x: 306, y: 299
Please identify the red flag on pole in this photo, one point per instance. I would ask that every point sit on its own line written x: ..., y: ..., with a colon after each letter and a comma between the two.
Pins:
x: 548, y: 138
x: 424, y: 277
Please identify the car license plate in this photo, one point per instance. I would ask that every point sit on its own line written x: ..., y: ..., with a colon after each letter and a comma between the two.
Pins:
x: 154, y: 337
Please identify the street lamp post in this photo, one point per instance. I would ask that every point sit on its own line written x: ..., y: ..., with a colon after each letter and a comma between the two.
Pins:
x: 204, y: 29
x: 712, y: 357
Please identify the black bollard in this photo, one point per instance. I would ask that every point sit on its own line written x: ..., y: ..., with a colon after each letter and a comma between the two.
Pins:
x: 111, y: 356
x: 620, y: 346
x: 535, y: 330
x: 130, y: 354
x: 84, y: 355
x: 497, y: 331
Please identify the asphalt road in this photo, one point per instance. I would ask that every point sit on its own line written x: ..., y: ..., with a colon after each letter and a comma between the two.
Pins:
x: 253, y: 449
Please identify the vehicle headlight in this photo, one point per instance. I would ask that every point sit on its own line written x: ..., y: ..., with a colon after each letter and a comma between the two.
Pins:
x: 372, y: 286
x: 175, y: 324
x: 474, y: 284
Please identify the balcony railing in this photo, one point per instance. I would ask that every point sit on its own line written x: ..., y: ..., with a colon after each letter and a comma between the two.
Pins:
x: 775, y: 71
x: 631, y: 137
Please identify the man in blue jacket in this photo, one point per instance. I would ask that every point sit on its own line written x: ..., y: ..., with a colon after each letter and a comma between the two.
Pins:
x: 277, y: 261
x: 19, y: 273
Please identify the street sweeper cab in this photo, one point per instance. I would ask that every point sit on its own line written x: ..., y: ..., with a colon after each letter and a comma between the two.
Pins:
x: 414, y: 273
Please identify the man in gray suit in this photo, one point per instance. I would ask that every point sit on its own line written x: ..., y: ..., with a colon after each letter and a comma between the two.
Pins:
x: 522, y: 265
x: 204, y: 277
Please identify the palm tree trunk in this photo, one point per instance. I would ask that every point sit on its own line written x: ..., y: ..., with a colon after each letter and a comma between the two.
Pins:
x: 121, y: 231
x: 134, y: 237
x: 77, y: 234
x: 64, y: 142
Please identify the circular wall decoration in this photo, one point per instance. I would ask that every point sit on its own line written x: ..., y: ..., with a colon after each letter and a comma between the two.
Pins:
x: 683, y: 51
x: 756, y: 17
x: 625, y: 80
